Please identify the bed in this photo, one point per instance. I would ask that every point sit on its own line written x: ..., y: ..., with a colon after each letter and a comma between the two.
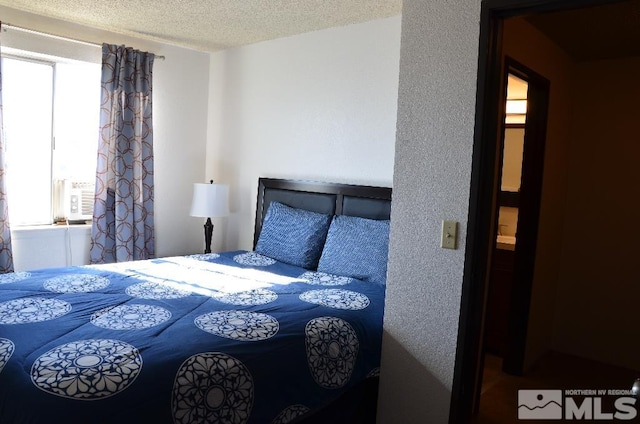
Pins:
x: 288, y: 332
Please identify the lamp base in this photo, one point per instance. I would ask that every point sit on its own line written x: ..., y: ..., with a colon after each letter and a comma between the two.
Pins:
x: 208, y: 231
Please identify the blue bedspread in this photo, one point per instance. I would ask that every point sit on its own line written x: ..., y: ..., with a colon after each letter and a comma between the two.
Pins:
x: 230, y: 338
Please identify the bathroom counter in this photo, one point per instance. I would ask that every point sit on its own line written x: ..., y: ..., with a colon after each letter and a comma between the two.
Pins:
x: 506, y: 242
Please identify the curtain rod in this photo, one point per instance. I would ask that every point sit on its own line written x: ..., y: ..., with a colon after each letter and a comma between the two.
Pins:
x: 6, y: 26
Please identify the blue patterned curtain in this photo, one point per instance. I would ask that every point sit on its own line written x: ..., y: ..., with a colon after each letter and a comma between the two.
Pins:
x: 123, y: 209
x: 6, y: 254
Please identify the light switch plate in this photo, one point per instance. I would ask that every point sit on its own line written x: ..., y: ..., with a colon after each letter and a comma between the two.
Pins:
x: 449, y: 234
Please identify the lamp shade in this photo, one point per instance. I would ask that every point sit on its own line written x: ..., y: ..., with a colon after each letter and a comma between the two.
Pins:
x: 210, y: 200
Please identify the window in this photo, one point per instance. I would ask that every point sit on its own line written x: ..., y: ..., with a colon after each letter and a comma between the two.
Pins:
x: 51, y: 111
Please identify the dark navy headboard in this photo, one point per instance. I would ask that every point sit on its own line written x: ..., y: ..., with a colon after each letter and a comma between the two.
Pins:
x: 329, y: 198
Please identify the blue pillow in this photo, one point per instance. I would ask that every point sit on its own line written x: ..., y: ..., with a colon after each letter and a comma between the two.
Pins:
x: 356, y: 247
x: 293, y: 236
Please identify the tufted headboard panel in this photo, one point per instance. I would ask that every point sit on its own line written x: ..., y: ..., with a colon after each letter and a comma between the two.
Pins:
x: 328, y: 198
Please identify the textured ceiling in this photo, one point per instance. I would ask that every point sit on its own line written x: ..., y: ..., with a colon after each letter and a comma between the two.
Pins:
x: 210, y: 25
x: 601, y: 32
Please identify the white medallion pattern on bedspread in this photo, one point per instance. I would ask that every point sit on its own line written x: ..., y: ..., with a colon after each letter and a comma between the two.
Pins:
x: 32, y: 309
x: 336, y: 298
x: 290, y: 413
x: 130, y: 317
x: 212, y: 387
x: 87, y: 369
x: 253, y: 259
x: 14, y: 276
x: 76, y: 283
x: 234, y: 337
x: 332, y: 346
x: 249, y: 297
x: 6, y: 350
x: 323, y: 279
x: 238, y: 325
x: 153, y: 290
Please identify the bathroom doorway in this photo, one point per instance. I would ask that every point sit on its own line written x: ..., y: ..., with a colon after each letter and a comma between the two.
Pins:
x: 523, y: 136
x: 503, y: 258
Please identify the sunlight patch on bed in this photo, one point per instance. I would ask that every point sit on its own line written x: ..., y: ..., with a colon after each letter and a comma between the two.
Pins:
x: 207, y: 278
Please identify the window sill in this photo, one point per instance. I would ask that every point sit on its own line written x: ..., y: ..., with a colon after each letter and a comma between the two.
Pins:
x: 42, y: 229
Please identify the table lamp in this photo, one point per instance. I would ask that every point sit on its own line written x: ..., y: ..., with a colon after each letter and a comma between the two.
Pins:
x: 209, y: 201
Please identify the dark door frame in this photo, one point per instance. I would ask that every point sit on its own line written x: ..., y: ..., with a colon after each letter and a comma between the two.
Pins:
x: 467, y: 376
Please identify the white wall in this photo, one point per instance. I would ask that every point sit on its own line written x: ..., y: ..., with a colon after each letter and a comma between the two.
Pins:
x: 318, y: 106
x: 436, y: 116
x: 180, y: 131
x: 598, y: 291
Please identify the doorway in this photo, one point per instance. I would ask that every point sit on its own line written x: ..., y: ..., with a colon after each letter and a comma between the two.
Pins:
x: 524, y: 202
x: 465, y: 395
x: 502, y: 270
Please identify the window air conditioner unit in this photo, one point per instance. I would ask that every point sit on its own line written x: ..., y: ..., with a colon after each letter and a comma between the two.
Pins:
x: 78, y: 201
